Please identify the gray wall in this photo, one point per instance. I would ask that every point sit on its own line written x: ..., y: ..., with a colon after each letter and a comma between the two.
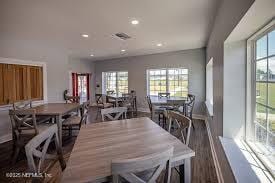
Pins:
x: 194, y: 60
x: 234, y: 96
x: 84, y: 66
x: 228, y: 16
x: 58, y: 66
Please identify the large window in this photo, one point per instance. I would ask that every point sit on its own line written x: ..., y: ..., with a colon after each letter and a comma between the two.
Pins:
x: 172, y: 80
x: 115, y: 81
x: 265, y: 89
x: 262, y: 94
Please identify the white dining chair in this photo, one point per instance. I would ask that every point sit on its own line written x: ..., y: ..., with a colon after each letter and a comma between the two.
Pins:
x: 114, y: 113
x: 143, y: 169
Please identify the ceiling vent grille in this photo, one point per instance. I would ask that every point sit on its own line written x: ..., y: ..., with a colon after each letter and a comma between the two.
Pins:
x: 122, y: 36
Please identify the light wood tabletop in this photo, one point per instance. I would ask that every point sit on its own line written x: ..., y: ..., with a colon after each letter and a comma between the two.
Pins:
x: 57, y: 110
x: 164, y: 100
x: 100, y: 143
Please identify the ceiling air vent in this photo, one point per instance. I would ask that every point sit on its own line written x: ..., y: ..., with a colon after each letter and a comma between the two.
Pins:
x: 122, y: 36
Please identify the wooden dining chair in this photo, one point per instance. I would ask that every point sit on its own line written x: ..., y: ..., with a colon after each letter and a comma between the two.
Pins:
x: 24, y: 127
x: 110, y: 100
x: 101, y: 104
x: 75, y: 122
x: 167, y: 95
x: 183, y: 129
x: 26, y: 104
x: 114, y: 113
x: 143, y: 169
x: 128, y: 100
x: 40, y: 159
x: 155, y: 110
x: 189, y: 106
x: 72, y: 99
x: 110, y: 92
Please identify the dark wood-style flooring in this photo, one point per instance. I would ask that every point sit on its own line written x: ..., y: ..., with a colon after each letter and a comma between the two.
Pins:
x: 203, y: 169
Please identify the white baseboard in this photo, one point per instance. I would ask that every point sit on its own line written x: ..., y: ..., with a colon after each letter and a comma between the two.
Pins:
x: 214, y: 154
x: 5, y: 138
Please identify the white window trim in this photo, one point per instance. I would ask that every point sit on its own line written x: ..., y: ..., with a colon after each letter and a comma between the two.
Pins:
x: 167, y: 84
x: 29, y: 63
x: 209, y: 87
x: 104, y: 81
x: 251, y: 85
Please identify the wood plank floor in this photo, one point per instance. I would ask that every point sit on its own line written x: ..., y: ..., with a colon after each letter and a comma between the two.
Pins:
x: 203, y: 170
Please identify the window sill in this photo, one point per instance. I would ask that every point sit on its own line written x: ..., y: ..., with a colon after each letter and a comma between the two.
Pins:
x: 245, y: 165
x: 209, y: 108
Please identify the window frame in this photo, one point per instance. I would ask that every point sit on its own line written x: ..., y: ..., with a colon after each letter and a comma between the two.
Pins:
x: 166, y: 77
x: 104, y: 81
x: 251, y: 94
x: 29, y: 63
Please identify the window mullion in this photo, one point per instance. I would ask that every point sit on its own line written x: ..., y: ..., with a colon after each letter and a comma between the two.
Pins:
x: 167, y: 81
x: 117, y: 82
x: 267, y: 115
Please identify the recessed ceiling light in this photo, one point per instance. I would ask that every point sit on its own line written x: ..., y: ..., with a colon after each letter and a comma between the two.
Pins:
x: 123, y: 50
x: 85, y: 35
x: 135, y: 22
x: 159, y: 44
x: 92, y: 55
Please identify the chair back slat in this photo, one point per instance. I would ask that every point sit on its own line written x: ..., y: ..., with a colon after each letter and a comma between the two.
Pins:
x: 110, y: 92
x: 35, y: 154
x: 26, y: 104
x: 190, y: 105
x: 118, y: 112
x: 23, y: 120
x: 99, y: 98
x: 184, y: 126
x: 129, y: 169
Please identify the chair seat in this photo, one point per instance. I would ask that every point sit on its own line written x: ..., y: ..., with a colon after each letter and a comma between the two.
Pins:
x: 73, y: 120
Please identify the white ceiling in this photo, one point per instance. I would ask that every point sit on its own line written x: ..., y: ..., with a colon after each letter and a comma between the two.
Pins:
x: 177, y: 24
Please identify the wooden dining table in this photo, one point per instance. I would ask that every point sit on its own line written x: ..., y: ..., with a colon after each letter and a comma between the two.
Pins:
x: 99, y: 143
x: 56, y: 111
x: 165, y: 100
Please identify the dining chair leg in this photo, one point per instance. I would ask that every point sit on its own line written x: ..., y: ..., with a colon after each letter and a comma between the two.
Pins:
x: 15, y: 155
x: 98, y: 110
x: 192, y: 124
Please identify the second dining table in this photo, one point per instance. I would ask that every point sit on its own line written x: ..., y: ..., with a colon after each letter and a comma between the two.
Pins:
x: 165, y: 100
x: 99, y: 143
x: 56, y: 111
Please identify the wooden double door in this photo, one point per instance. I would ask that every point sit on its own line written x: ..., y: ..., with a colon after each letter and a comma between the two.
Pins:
x: 20, y: 82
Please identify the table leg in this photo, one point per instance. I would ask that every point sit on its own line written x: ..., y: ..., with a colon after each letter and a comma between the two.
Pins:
x: 185, y: 171
x: 81, y: 111
x: 58, y: 120
x: 116, y: 102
